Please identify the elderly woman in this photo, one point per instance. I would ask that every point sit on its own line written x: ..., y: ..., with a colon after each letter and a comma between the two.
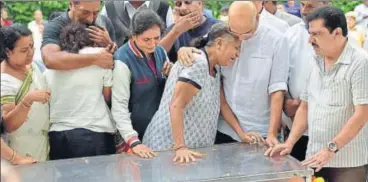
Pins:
x: 23, y: 95
x: 192, y: 100
x: 139, y: 80
x: 80, y: 118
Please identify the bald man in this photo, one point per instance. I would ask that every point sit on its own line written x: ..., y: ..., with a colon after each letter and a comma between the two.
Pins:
x: 267, y: 18
x: 301, y: 56
x: 254, y: 86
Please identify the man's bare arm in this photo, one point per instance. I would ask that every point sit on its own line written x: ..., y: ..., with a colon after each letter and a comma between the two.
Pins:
x: 277, y: 99
x: 299, y: 125
x: 56, y: 59
x: 169, y: 39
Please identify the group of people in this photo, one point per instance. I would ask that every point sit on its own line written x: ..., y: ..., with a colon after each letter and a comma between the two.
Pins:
x: 131, y: 79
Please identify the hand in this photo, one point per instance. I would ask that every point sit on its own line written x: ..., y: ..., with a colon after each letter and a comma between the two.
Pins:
x: 282, y: 149
x: 23, y: 160
x: 104, y: 59
x: 271, y: 140
x: 251, y: 137
x: 42, y: 96
x: 187, y: 22
x: 167, y: 67
x: 100, y: 36
x: 185, y: 55
x: 291, y: 105
x: 319, y: 159
x: 143, y: 151
x: 184, y: 155
x: 111, y: 48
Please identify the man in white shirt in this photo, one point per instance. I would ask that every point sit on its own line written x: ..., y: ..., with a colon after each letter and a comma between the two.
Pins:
x: 267, y: 18
x: 122, y: 12
x: 301, y: 56
x: 271, y: 7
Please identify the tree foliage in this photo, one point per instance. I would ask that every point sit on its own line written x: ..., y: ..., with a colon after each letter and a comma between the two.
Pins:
x: 22, y: 12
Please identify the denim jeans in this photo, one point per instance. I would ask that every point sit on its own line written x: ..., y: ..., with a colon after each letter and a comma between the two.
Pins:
x: 80, y: 143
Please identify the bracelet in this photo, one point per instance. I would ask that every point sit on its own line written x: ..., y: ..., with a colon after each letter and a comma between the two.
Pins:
x: 177, y: 147
x: 13, y: 157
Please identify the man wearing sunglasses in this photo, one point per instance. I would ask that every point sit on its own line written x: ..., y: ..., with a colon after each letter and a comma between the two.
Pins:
x: 191, y: 23
x: 255, y: 84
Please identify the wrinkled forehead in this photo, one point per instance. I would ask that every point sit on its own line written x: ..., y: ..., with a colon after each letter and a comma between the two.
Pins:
x: 92, y: 6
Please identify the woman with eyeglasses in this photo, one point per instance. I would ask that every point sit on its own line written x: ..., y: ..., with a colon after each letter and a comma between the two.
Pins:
x: 141, y: 66
x: 24, y: 98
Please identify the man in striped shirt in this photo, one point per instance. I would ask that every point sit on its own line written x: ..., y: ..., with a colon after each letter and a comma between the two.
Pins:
x: 334, y: 103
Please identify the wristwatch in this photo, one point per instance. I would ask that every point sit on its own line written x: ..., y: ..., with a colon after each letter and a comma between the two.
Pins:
x: 332, y: 147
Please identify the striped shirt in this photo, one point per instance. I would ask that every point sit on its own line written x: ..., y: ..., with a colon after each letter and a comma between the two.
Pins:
x: 331, y: 97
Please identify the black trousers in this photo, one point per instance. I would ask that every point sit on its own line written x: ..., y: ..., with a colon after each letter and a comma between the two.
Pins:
x: 222, y: 138
x: 351, y: 174
x: 80, y: 143
x: 300, y: 148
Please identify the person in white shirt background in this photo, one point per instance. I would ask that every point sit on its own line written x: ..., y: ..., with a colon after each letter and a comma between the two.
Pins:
x: 301, y: 56
x: 255, y: 85
x: 267, y: 18
x: 271, y: 7
x: 37, y: 26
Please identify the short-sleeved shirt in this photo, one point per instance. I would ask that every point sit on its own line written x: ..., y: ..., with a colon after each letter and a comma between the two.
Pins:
x: 201, y: 114
x: 186, y: 38
x: 51, y: 33
x: 331, y: 96
x: 77, y: 100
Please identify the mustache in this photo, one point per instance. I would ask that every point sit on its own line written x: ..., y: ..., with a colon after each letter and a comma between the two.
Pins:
x: 314, y: 45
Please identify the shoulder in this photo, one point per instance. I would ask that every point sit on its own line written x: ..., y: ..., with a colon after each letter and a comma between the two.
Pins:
x: 200, y: 60
x: 271, y: 33
x: 122, y: 53
x: 213, y: 21
x: 9, y: 84
x: 359, y: 55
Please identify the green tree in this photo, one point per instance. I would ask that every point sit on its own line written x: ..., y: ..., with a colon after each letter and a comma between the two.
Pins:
x: 22, y: 12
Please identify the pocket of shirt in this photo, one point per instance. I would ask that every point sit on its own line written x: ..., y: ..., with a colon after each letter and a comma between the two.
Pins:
x: 339, y: 93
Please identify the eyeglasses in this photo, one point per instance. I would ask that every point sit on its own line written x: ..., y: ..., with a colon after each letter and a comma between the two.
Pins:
x: 243, y: 36
x: 180, y: 3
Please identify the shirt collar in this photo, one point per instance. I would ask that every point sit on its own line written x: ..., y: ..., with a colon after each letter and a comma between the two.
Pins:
x: 146, y: 3
x: 137, y: 52
x: 346, y: 55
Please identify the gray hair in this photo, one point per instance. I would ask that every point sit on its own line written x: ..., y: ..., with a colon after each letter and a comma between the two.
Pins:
x: 220, y: 29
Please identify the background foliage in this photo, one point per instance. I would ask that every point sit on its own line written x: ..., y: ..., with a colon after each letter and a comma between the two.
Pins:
x: 22, y: 12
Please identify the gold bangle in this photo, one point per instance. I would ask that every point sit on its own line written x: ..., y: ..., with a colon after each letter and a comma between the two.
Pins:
x: 13, y: 157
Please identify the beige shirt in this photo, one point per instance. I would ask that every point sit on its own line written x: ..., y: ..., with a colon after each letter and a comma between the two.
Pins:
x: 331, y: 97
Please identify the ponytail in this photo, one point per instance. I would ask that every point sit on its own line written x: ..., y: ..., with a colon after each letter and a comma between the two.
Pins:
x: 199, y: 42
